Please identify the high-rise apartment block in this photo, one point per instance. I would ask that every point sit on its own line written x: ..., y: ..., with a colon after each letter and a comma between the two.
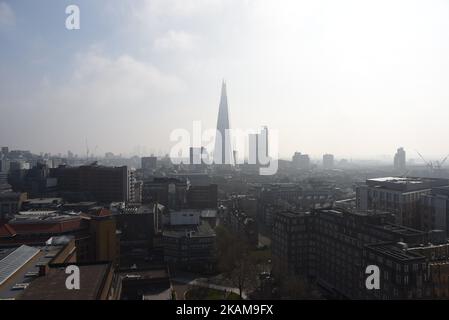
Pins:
x: 400, y: 159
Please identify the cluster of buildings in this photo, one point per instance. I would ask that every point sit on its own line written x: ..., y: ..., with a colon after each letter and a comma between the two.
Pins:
x: 130, y: 231
x: 302, y: 161
x: 275, y: 197
x: 127, y: 230
x: 395, y: 223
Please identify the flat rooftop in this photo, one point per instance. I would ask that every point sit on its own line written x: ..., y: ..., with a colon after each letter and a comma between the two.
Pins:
x: 194, y: 231
x: 394, y: 252
x: 40, y: 217
x: 52, y: 286
x: 441, y: 191
x: 406, y: 183
x: 152, y: 284
x: 38, y: 201
x: 399, y: 229
x: 19, y: 266
x: 398, y: 180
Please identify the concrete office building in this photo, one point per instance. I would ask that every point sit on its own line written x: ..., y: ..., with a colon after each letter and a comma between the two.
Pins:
x: 398, y: 195
x: 103, y: 184
x: 333, y: 247
x: 434, y: 210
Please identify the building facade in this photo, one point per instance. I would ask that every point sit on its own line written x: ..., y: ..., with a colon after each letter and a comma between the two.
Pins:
x: 104, y: 184
x: 334, y: 248
x: 397, y: 195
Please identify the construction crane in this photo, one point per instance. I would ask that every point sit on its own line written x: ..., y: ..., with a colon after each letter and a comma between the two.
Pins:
x: 439, y: 164
x: 428, y: 164
x: 434, y: 166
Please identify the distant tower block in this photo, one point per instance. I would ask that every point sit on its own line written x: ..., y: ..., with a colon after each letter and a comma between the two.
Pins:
x: 400, y: 159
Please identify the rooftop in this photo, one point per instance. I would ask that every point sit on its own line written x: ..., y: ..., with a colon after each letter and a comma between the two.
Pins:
x: 395, y: 252
x: 19, y: 266
x: 406, y: 183
x: 441, y: 191
x: 42, y: 201
x: 152, y: 284
x: 191, y: 231
x: 40, y: 217
x: 52, y: 286
x: 398, y: 180
x: 399, y: 229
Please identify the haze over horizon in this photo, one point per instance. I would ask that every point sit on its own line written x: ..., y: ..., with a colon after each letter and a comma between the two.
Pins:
x: 348, y: 78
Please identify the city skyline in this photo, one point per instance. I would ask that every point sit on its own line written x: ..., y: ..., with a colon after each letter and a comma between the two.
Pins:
x: 329, y: 80
x: 223, y: 155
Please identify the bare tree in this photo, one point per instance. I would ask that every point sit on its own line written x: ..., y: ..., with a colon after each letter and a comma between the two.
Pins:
x: 235, y: 260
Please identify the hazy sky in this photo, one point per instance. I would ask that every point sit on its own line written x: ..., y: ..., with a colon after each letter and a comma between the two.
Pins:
x: 353, y: 78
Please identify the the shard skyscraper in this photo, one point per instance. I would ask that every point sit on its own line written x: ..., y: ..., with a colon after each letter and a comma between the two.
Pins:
x: 223, y: 153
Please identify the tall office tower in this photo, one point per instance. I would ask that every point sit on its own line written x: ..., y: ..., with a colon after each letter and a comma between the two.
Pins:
x: 223, y: 153
x: 258, y: 147
x: 399, y: 159
x: 262, y: 142
x: 328, y: 161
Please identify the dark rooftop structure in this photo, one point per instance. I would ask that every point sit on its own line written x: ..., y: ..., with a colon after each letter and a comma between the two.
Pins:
x: 189, y: 231
x: 395, y: 252
x: 146, y: 284
x: 94, y: 284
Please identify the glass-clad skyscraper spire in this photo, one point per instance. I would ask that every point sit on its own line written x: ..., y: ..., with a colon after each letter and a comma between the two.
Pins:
x: 223, y: 153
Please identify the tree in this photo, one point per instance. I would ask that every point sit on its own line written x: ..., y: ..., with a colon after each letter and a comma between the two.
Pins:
x: 234, y: 259
x: 244, y: 273
x: 294, y: 285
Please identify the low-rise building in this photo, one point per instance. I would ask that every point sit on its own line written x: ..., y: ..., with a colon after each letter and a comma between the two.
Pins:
x: 190, y: 247
x: 97, y: 282
x: 146, y: 284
